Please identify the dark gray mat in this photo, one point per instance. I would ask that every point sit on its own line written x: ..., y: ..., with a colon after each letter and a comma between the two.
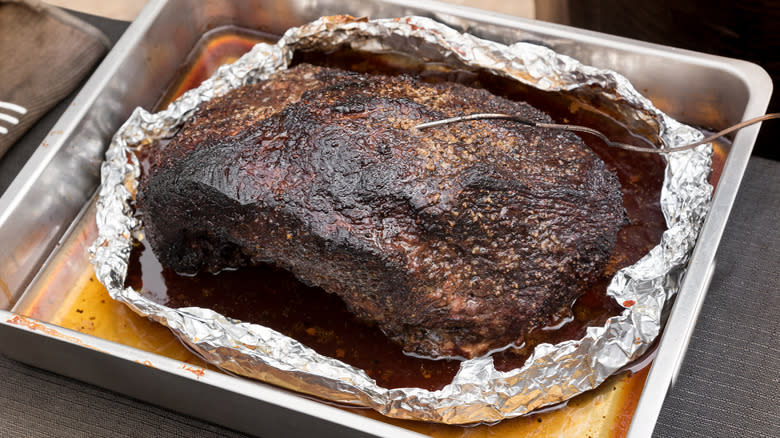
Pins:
x: 36, y: 403
x: 729, y: 381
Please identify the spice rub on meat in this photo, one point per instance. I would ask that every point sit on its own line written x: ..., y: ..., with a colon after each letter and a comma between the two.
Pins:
x: 453, y: 240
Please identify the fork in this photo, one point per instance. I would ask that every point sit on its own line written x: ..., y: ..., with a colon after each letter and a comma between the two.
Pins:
x: 12, y: 108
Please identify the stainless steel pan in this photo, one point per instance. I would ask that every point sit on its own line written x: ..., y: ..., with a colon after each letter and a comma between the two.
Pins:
x: 56, y: 184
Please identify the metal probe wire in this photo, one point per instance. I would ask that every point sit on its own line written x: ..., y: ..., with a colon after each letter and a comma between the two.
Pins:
x: 585, y: 129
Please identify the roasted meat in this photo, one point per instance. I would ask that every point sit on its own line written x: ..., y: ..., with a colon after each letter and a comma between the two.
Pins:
x: 454, y: 240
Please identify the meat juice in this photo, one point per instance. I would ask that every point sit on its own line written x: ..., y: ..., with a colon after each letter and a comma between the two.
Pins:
x: 273, y: 297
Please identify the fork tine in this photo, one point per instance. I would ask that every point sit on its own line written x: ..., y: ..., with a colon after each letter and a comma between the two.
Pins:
x: 10, y: 119
x: 13, y: 107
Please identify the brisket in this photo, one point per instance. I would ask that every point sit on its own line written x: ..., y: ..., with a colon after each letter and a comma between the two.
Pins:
x: 454, y: 240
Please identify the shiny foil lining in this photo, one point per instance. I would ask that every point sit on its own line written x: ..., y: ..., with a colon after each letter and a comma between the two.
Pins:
x: 478, y: 393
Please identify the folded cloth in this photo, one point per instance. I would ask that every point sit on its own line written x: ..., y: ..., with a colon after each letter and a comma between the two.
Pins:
x: 44, y: 55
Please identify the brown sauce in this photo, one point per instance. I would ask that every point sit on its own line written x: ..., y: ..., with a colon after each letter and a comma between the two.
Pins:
x: 274, y: 298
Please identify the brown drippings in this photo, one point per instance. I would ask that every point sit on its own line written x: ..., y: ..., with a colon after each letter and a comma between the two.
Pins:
x: 274, y: 298
x: 217, y: 47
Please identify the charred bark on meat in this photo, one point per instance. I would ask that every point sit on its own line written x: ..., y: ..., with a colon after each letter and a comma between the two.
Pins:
x: 454, y: 240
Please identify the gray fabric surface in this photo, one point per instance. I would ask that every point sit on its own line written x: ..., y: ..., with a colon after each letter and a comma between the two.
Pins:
x: 36, y: 403
x: 727, y: 386
x: 730, y: 377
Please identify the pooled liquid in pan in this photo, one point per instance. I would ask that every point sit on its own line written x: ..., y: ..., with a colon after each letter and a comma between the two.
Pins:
x: 274, y: 298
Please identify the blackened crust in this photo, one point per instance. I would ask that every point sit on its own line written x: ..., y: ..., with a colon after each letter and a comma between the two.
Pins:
x: 453, y: 240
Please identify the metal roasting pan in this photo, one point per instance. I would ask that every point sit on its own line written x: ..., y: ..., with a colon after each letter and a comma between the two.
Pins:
x: 56, y: 185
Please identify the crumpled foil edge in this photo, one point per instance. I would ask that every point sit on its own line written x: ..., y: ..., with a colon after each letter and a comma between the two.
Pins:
x: 479, y: 392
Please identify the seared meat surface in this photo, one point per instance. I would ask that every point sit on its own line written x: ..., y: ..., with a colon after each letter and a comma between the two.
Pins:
x: 454, y: 240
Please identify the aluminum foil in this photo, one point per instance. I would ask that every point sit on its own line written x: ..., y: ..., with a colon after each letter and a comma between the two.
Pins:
x: 478, y: 393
